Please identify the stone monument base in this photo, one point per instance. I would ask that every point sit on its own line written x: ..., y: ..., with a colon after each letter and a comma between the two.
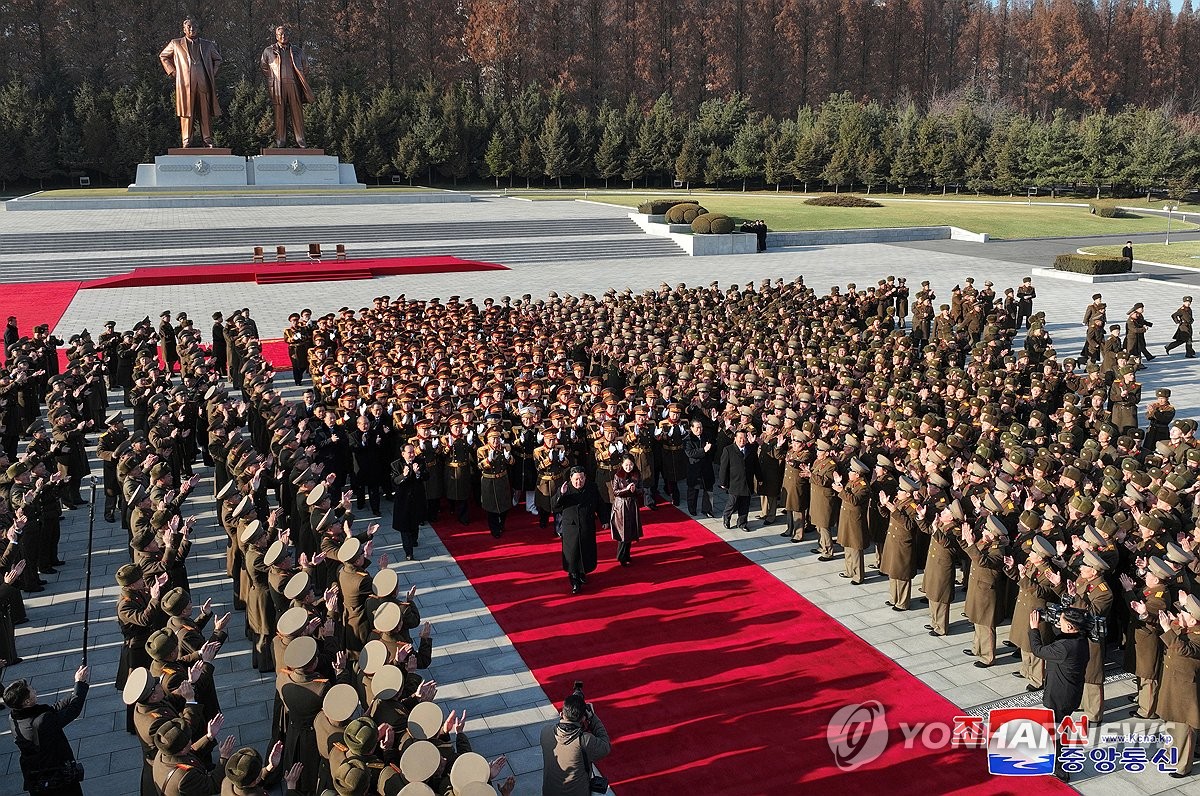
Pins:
x: 199, y: 151
x: 293, y: 150
x: 300, y: 168
x: 202, y: 168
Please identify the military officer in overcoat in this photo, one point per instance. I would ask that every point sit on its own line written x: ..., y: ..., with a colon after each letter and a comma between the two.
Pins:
x: 854, y: 494
x: 984, y: 608
x: 904, y: 520
x: 1178, y: 702
x: 1183, y: 320
x: 1144, y: 648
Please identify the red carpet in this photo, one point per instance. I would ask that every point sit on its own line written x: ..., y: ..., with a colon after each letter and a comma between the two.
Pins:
x: 36, y: 303
x: 298, y: 271
x: 710, y: 674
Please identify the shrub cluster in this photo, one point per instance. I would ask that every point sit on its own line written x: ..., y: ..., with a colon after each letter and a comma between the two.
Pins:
x: 656, y: 207
x: 1107, y: 211
x: 841, y: 200
x: 1092, y: 264
x: 684, y: 213
x: 712, y: 223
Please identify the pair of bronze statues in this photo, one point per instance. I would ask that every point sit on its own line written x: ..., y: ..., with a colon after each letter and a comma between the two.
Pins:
x: 194, y: 62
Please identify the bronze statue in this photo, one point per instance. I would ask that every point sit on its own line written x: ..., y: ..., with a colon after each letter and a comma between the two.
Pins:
x: 193, y: 62
x: 284, y: 66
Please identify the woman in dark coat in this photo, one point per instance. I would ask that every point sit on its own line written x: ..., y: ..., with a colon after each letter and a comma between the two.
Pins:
x: 408, y: 507
x: 575, y: 503
x: 627, y: 494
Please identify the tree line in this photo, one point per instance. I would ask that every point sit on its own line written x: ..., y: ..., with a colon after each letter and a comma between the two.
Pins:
x: 447, y: 136
x: 1040, y: 55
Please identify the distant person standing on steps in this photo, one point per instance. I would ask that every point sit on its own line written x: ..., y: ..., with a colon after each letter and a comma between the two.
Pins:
x: 1183, y: 328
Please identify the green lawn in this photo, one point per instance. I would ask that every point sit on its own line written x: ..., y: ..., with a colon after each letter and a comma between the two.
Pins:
x: 1008, y: 220
x: 1182, y: 253
x: 123, y: 193
x: 935, y: 196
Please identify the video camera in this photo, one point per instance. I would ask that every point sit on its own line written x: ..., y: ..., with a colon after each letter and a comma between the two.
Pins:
x: 577, y: 691
x: 1093, y: 626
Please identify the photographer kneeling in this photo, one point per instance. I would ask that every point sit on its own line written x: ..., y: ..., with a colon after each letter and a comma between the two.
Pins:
x: 570, y: 746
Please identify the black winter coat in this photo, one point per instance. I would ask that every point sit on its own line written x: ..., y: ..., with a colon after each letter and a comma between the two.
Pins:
x: 1066, y: 662
x: 738, y: 471
x: 576, y: 510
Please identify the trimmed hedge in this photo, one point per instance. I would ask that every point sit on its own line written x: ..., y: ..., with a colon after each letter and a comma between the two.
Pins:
x: 684, y: 213
x: 1105, y: 211
x: 841, y: 200
x: 712, y: 224
x: 657, y: 207
x: 1092, y: 264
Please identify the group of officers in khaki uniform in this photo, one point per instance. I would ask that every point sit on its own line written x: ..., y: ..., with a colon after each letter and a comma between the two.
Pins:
x: 977, y: 458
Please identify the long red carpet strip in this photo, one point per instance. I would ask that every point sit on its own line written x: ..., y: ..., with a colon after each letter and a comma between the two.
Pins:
x: 298, y: 271
x: 711, y: 675
x: 35, y: 303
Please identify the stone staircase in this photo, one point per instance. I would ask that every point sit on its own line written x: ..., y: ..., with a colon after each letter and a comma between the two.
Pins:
x: 41, y: 257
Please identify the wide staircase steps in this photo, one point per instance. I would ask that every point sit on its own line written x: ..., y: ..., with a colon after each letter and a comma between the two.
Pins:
x: 502, y: 242
x: 312, y: 275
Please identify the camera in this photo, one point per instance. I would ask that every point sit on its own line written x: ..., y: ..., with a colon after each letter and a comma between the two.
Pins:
x: 1094, y: 627
x: 578, y: 689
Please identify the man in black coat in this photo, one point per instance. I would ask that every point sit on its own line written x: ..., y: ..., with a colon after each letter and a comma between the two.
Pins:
x: 409, y: 475
x: 218, y: 344
x: 699, y: 448
x: 575, y: 506
x: 739, y: 466
x: 366, y: 451
x: 11, y: 333
x: 38, y: 732
x: 1066, y: 660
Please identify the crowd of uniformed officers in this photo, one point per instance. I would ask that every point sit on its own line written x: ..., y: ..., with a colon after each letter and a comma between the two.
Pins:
x: 954, y: 445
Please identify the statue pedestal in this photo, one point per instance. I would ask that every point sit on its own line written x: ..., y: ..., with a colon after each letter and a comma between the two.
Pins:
x: 203, y: 169
x: 200, y: 170
x: 300, y: 167
x: 273, y: 150
x: 199, y: 151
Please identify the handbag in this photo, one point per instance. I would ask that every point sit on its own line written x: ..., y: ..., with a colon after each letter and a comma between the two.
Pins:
x: 597, y: 783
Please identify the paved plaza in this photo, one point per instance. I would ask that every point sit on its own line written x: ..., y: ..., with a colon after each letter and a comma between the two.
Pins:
x: 474, y: 663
